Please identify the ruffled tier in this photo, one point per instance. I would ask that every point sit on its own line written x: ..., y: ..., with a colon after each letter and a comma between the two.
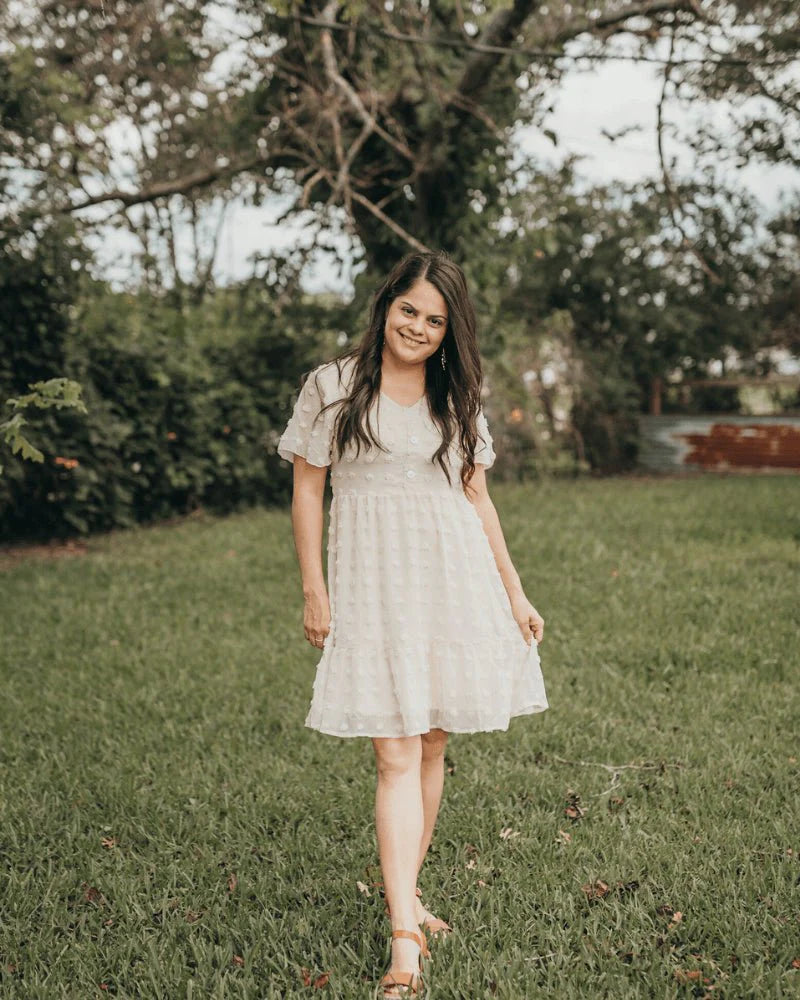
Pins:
x: 461, y: 687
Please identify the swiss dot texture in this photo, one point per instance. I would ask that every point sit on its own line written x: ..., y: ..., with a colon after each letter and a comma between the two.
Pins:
x: 422, y: 633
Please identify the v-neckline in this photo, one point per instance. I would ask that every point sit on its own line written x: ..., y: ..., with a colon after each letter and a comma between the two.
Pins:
x: 410, y: 406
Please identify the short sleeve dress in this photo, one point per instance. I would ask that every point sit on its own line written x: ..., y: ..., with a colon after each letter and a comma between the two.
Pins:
x: 422, y: 634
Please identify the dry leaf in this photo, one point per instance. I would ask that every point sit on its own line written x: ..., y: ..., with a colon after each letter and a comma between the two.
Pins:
x: 677, y: 916
x: 472, y: 863
x: 92, y: 894
x: 595, y: 890
x: 362, y: 888
x: 687, y: 975
x: 506, y: 833
x: 108, y: 842
x: 564, y: 837
x: 232, y: 882
x: 238, y: 960
x: 321, y: 980
x: 481, y: 883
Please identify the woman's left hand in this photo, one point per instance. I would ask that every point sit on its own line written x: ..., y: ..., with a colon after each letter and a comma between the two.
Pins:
x: 528, y: 618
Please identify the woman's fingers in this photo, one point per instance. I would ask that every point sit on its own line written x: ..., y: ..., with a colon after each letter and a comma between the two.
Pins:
x: 317, y: 637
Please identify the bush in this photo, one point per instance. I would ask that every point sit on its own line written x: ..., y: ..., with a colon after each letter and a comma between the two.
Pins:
x: 174, y: 422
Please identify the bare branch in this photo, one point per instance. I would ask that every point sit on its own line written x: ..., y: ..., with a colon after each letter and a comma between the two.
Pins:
x: 178, y: 185
x: 395, y: 228
x: 335, y: 76
x: 618, y: 18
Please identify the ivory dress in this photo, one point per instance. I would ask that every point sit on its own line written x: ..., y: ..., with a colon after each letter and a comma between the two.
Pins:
x: 422, y: 634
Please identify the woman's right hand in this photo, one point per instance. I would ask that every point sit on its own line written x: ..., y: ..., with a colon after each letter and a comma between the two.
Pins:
x: 317, y: 617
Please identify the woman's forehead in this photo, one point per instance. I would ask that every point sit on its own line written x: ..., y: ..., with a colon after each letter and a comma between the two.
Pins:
x: 425, y: 297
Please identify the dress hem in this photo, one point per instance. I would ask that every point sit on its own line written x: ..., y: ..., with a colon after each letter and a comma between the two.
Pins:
x: 528, y: 710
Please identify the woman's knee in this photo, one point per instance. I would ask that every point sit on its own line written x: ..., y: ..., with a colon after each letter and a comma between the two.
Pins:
x: 434, y: 743
x: 395, y: 756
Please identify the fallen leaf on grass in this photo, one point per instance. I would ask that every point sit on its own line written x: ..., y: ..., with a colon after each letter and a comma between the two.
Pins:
x: 796, y: 963
x: 318, y: 983
x: 92, y: 895
x: 232, y: 881
x: 108, y: 841
x: 238, y: 960
x: 362, y: 888
x: 472, y: 863
x: 481, y: 883
x: 192, y: 916
x: 689, y: 975
x: 574, y: 810
x: 563, y: 837
x: 595, y: 890
x: 506, y: 833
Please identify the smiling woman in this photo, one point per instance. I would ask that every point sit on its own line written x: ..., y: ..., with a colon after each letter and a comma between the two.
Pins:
x: 424, y: 626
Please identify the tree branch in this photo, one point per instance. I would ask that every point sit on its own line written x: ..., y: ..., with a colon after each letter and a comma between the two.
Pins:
x: 618, y: 18
x: 178, y: 185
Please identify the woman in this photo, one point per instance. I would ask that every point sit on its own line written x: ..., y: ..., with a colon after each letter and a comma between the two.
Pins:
x: 425, y: 628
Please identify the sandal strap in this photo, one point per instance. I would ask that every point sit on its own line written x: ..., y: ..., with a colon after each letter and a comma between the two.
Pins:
x: 413, y: 935
x: 410, y: 981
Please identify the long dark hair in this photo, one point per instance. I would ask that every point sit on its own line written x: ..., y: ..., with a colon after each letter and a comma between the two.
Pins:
x: 453, y: 392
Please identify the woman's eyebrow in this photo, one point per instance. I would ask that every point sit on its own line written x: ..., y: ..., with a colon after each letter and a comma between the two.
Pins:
x: 435, y: 315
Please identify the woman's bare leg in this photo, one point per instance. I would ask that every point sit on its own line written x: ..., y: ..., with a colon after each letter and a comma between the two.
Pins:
x: 432, y: 779
x: 399, y: 822
x: 432, y: 776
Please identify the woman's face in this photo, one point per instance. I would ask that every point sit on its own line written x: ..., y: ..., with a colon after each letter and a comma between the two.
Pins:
x: 416, y: 323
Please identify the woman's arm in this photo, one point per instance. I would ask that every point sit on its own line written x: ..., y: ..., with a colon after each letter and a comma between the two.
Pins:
x: 308, y: 492
x: 527, y: 617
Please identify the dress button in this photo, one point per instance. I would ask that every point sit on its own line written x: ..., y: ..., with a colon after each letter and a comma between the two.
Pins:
x: 410, y: 474
x: 413, y: 439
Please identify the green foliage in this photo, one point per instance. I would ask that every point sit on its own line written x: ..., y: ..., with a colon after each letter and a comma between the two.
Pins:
x: 58, y: 392
x: 176, y: 421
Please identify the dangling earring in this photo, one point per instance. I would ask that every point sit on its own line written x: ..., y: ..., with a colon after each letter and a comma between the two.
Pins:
x: 443, y: 356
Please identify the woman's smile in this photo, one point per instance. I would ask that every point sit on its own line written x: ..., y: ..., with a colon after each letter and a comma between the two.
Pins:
x: 410, y: 340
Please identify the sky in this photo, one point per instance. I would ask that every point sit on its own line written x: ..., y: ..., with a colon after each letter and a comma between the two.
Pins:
x: 608, y: 97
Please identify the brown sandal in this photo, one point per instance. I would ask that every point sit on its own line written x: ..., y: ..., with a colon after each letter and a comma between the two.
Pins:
x: 433, y: 925
x: 410, y: 983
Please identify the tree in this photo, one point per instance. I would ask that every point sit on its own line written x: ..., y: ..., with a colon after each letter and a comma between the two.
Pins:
x: 396, y: 124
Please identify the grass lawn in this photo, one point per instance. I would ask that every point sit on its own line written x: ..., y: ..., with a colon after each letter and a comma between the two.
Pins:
x: 169, y: 828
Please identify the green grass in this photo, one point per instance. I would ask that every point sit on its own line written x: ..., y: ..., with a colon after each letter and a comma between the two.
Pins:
x: 154, y: 691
